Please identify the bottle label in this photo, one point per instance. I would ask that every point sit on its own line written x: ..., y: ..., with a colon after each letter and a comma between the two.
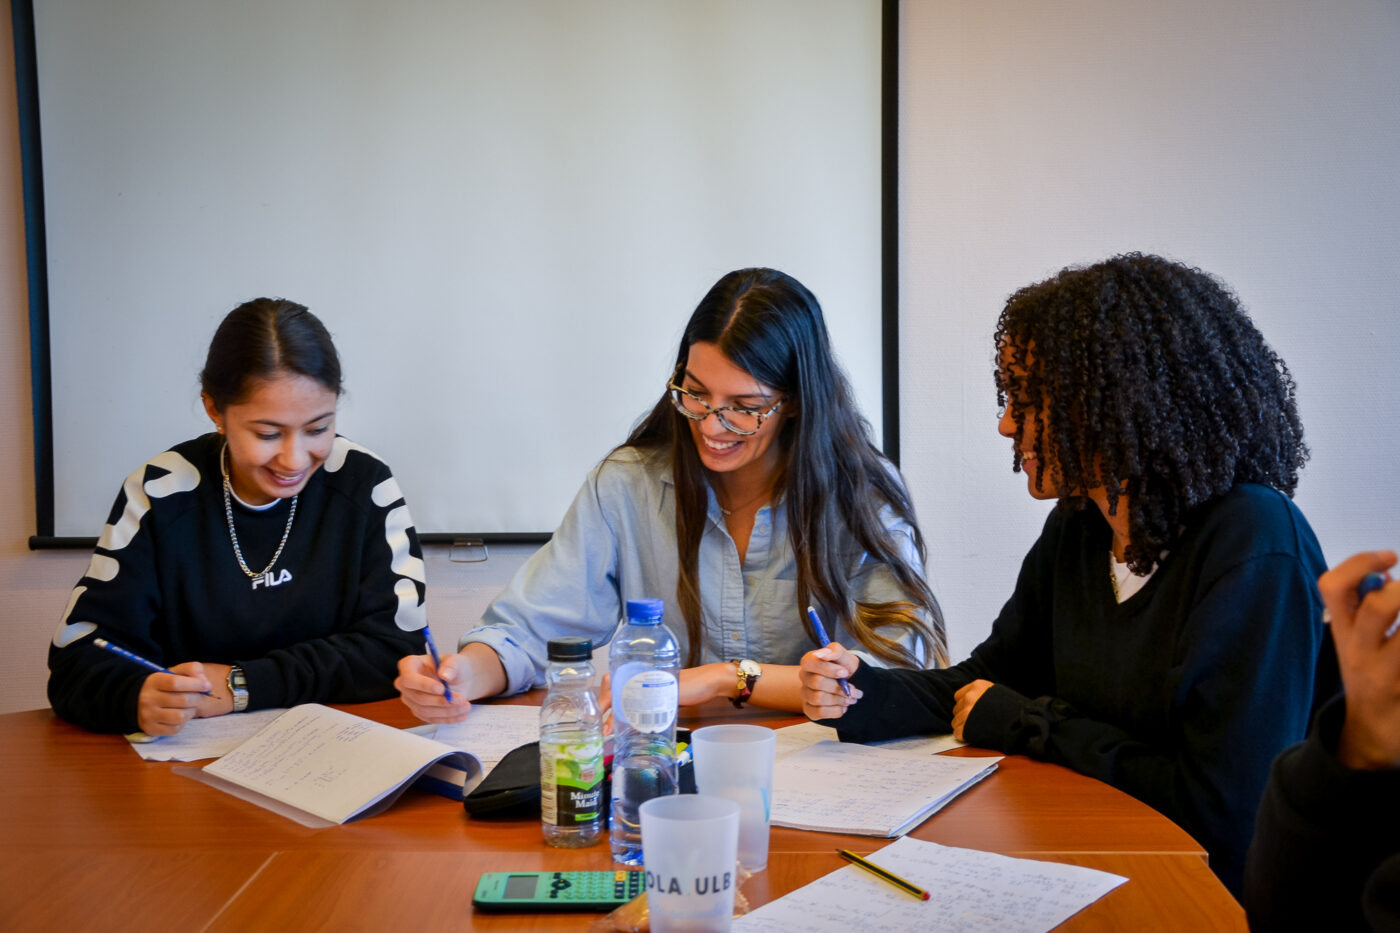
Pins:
x: 649, y: 700
x: 571, y: 783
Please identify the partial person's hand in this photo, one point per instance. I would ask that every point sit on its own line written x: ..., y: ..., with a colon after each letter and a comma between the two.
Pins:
x: 420, y: 687
x: 964, y: 700
x: 820, y: 672
x: 699, y: 684
x: 168, y: 701
x: 1369, y: 660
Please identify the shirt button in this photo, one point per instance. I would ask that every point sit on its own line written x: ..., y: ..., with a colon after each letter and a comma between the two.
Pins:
x: 734, y: 635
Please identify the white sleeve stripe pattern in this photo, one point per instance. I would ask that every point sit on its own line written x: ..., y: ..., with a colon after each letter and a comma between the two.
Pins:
x: 183, y: 477
x: 386, y: 493
x: 67, y: 634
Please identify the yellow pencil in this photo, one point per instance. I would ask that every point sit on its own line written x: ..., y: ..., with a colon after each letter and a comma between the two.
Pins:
x: 879, y: 872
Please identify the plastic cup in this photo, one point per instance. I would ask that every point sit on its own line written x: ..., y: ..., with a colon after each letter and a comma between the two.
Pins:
x: 689, y: 851
x: 736, y: 762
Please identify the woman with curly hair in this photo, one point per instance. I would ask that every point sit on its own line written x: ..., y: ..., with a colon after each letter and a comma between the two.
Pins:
x: 1165, y: 633
x: 749, y: 491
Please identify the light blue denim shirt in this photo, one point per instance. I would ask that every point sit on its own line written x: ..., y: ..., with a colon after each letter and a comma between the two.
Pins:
x: 618, y: 542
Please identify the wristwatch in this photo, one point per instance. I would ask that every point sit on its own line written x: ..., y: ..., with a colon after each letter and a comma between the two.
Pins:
x: 238, y: 687
x: 749, y: 672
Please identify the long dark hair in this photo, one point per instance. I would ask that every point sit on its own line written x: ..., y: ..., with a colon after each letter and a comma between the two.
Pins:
x: 1150, y: 379
x: 264, y: 337
x: 832, y: 480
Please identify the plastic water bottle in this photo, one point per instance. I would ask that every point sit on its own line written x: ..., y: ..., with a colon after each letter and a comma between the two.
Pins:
x: 571, y: 748
x: 645, y: 663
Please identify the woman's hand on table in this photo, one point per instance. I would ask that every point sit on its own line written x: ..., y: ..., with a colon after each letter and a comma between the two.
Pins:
x: 964, y: 700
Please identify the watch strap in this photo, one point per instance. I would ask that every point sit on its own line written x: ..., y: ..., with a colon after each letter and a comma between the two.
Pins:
x: 746, y: 681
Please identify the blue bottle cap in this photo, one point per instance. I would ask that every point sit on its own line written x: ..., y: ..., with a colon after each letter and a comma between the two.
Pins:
x: 645, y: 611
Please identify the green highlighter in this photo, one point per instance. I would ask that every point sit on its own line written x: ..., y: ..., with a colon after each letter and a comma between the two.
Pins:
x: 549, y: 891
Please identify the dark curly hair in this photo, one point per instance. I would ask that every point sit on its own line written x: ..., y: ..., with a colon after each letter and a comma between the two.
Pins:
x: 1150, y: 379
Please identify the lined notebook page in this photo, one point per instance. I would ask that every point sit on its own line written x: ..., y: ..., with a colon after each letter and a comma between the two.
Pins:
x: 840, y: 787
x: 969, y: 891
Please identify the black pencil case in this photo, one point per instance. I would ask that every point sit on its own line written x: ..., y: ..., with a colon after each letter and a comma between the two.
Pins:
x: 512, y: 789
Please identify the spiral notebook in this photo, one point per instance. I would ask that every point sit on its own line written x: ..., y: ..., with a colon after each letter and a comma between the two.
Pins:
x: 842, y: 787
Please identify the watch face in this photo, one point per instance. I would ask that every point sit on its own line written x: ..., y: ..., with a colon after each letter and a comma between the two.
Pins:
x: 749, y: 668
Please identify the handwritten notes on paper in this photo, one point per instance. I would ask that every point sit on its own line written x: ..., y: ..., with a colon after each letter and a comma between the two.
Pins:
x: 969, y: 891
x: 490, y: 731
x: 838, y: 787
x: 332, y: 764
x: 205, y: 738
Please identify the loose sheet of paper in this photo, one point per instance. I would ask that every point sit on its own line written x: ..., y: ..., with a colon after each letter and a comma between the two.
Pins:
x: 205, y: 738
x: 846, y: 788
x: 489, y: 732
x: 969, y: 891
x: 795, y: 738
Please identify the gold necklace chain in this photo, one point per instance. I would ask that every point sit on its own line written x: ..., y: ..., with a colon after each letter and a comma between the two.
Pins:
x: 745, y: 505
x: 233, y: 534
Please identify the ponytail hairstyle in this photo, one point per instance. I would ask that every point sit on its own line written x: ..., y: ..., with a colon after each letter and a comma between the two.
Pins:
x: 260, y: 339
x: 833, y: 481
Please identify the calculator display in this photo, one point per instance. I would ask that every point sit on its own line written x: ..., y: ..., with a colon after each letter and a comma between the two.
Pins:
x: 518, y: 886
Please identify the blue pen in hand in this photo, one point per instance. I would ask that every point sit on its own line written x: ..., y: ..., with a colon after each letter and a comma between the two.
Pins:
x: 437, y: 662
x: 1369, y: 584
x: 821, y: 635
x: 133, y: 656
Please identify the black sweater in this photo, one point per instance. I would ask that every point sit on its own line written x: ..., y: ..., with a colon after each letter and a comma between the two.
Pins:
x: 1180, y: 696
x: 1326, y: 852
x: 342, y: 605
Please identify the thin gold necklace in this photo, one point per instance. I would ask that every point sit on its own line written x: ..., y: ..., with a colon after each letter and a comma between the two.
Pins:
x: 233, y: 535
x: 762, y: 495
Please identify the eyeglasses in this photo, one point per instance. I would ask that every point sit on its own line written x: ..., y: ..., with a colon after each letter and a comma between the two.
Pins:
x: 738, y: 420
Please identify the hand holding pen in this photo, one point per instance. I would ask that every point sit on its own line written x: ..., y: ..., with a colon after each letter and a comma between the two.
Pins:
x: 163, y: 706
x: 823, y: 674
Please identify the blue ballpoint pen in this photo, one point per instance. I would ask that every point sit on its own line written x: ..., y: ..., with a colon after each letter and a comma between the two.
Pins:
x: 821, y: 634
x: 133, y: 656
x: 437, y: 662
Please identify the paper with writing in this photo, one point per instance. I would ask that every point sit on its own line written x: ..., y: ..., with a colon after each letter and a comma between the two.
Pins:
x: 489, y: 732
x: 969, y: 891
x: 842, y: 787
x: 207, y: 738
x: 333, y: 764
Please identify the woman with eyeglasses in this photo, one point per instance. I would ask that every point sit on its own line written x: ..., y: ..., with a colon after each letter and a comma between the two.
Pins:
x: 749, y: 492
x: 267, y: 563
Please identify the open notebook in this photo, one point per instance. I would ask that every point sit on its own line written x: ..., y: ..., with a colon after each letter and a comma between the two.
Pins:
x: 840, y: 787
x: 332, y: 766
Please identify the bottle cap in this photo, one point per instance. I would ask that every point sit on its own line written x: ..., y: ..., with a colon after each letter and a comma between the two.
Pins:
x: 572, y: 648
x: 645, y: 611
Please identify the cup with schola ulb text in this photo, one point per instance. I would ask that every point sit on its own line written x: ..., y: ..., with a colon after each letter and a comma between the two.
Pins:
x: 690, y: 844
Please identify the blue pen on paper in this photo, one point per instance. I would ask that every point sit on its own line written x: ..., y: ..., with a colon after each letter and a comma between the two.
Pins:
x: 821, y: 635
x: 437, y: 662
x: 133, y: 656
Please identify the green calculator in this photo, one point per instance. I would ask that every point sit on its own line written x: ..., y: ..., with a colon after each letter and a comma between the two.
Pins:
x: 537, y: 891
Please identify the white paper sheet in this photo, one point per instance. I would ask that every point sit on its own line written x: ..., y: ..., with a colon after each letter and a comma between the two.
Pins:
x: 969, y: 891
x: 489, y: 732
x: 795, y: 738
x: 203, y: 738
x: 841, y: 787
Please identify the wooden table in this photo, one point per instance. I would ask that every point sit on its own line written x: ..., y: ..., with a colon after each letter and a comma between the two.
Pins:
x: 96, y: 838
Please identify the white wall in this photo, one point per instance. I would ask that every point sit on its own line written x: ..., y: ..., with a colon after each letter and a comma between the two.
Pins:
x: 1256, y: 140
